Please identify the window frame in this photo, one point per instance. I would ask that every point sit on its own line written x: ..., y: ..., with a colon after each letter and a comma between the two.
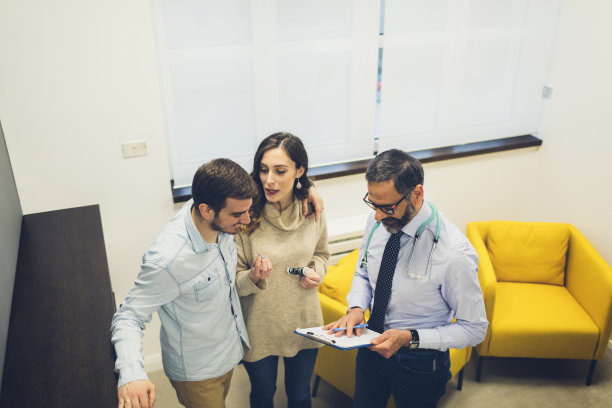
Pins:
x: 324, y: 172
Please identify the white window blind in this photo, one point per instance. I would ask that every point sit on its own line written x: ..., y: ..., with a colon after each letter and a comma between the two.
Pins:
x: 463, y: 71
x: 451, y: 72
x: 236, y: 71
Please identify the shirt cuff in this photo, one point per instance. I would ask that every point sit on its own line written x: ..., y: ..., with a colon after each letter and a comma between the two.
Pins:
x: 352, y: 304
x: 429, y: 339
x: 129, y: 373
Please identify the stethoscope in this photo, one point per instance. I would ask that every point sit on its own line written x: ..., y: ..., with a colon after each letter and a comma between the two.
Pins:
x: 435, y: 214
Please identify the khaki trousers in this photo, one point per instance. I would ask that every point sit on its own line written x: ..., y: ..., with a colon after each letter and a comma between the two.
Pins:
x: 209, y: 393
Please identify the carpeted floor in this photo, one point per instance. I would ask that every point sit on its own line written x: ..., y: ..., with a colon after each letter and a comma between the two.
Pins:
x: 505, y: 383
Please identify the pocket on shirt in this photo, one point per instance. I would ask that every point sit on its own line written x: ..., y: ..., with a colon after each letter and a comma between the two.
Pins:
x: 206, y: 287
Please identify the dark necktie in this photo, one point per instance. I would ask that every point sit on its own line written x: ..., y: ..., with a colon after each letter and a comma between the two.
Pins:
x: 382, y: 294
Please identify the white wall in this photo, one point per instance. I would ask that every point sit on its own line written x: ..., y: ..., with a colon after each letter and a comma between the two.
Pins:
x: 574, y: 173
x: 79, y: 77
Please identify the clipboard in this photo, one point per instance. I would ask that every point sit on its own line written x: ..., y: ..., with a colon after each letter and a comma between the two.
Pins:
x: 341, y: 342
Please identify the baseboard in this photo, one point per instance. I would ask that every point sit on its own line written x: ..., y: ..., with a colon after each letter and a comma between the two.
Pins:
x: 153, y: 363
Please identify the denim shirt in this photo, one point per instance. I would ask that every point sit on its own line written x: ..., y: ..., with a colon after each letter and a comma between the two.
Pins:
x: 191, y: 284
x: 429, y: 301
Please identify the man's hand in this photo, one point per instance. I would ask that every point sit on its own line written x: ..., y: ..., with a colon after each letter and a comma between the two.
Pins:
x: 349, y: 320
x: 136, y: 394
x: 261, y: 269
x: 310, y: 280
x: 315, y: 199
x: 390, y: 341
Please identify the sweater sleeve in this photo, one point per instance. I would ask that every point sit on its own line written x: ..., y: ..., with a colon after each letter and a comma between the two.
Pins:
x: 244, y: 284
x: 321, y: 253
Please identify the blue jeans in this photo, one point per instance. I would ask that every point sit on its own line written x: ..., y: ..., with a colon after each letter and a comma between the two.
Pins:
x: 417, y: 378
x: 298, y: 372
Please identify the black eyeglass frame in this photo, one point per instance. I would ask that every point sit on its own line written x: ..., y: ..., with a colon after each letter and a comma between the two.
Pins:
x: 386, y: 208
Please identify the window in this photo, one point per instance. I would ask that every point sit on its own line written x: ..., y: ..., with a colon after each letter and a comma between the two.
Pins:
x: 348, y: 77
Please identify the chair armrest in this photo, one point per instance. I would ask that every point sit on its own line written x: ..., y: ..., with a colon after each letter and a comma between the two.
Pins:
x: 337, y: 367
x: 486, y: 277
x: 331, y: 308
x: 589, y: 280
x: 459, y: 358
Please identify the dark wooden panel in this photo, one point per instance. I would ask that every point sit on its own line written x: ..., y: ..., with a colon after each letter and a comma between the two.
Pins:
x: 58, y: 350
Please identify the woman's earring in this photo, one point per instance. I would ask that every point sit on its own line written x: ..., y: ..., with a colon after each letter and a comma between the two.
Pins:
x: 298, y: 185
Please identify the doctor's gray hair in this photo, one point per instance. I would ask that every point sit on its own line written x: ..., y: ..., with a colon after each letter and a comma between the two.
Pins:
x: 405, y: 171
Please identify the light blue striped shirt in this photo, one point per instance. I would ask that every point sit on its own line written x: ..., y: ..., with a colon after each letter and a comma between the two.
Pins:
x: 449, y: 290
x: 191, y: 284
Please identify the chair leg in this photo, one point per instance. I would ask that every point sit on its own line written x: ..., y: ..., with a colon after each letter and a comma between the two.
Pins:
x: 315, y: 386
x: 460, y: 380
x: 591, y: 372
x: 479, y: 368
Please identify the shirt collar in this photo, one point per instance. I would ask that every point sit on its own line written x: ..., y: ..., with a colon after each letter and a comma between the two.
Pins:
x: 414, y: 224
x: 198, y: 243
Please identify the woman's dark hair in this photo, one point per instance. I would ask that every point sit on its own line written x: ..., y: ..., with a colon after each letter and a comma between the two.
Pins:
x: 216, y: 181
x: 293, y: 146
x: 405, y: 171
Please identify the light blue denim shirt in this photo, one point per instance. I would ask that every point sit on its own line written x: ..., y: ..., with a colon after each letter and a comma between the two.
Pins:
x: 191, y: 284
x: 449, y: 290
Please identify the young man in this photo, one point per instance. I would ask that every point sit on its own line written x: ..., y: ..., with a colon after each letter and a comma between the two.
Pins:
x: 416, y: 275
x: 188, y: 276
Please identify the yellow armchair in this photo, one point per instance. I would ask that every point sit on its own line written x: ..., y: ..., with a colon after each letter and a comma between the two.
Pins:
x: 547, y: 292
x: 337, y: 367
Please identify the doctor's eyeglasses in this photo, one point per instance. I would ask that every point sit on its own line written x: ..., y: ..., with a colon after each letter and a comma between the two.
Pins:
x: 387, y: 208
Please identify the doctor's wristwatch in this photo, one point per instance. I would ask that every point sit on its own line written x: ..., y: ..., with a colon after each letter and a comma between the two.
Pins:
x: 414, y: 343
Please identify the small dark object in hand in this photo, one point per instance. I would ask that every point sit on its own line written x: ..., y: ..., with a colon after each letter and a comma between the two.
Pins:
x: 298, y: 271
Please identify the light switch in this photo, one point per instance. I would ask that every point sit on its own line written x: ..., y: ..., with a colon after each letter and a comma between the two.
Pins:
x: 134, y: 149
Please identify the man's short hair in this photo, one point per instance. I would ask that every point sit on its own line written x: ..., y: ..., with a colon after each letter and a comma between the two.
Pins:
x: 216, y: 181
x: 405, y: 171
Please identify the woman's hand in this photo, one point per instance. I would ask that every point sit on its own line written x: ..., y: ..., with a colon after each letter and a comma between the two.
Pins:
x: 311, y: 279
x: 261, y: 269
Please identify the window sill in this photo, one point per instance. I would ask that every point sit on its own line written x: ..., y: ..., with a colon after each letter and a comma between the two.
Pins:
x: 181, y: 194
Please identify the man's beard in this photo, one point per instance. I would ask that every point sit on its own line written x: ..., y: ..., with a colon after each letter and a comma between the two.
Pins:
x: 397, y: 224
x: 214, y: 224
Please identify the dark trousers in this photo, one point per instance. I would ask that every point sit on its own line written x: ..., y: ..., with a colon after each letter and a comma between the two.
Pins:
x: 298, y: 372
x: 416, y: 378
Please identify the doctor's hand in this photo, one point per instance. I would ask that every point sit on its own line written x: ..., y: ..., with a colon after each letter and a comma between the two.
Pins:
x: 310, y: 279
x: 317, y: 202
x: 351, y: 319
x: 390, y: 341
x: 261, y: 269
x: 137, y: 394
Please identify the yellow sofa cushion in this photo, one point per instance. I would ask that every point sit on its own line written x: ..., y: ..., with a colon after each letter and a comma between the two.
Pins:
x: 337, y: 281
x: 540, y: 321
x: 528, y: 252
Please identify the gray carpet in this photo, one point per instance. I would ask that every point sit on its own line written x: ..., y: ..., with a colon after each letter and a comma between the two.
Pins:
x: 505, y: 383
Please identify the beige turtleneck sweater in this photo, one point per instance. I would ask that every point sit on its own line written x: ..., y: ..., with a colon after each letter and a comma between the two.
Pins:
x: 278, y: 305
